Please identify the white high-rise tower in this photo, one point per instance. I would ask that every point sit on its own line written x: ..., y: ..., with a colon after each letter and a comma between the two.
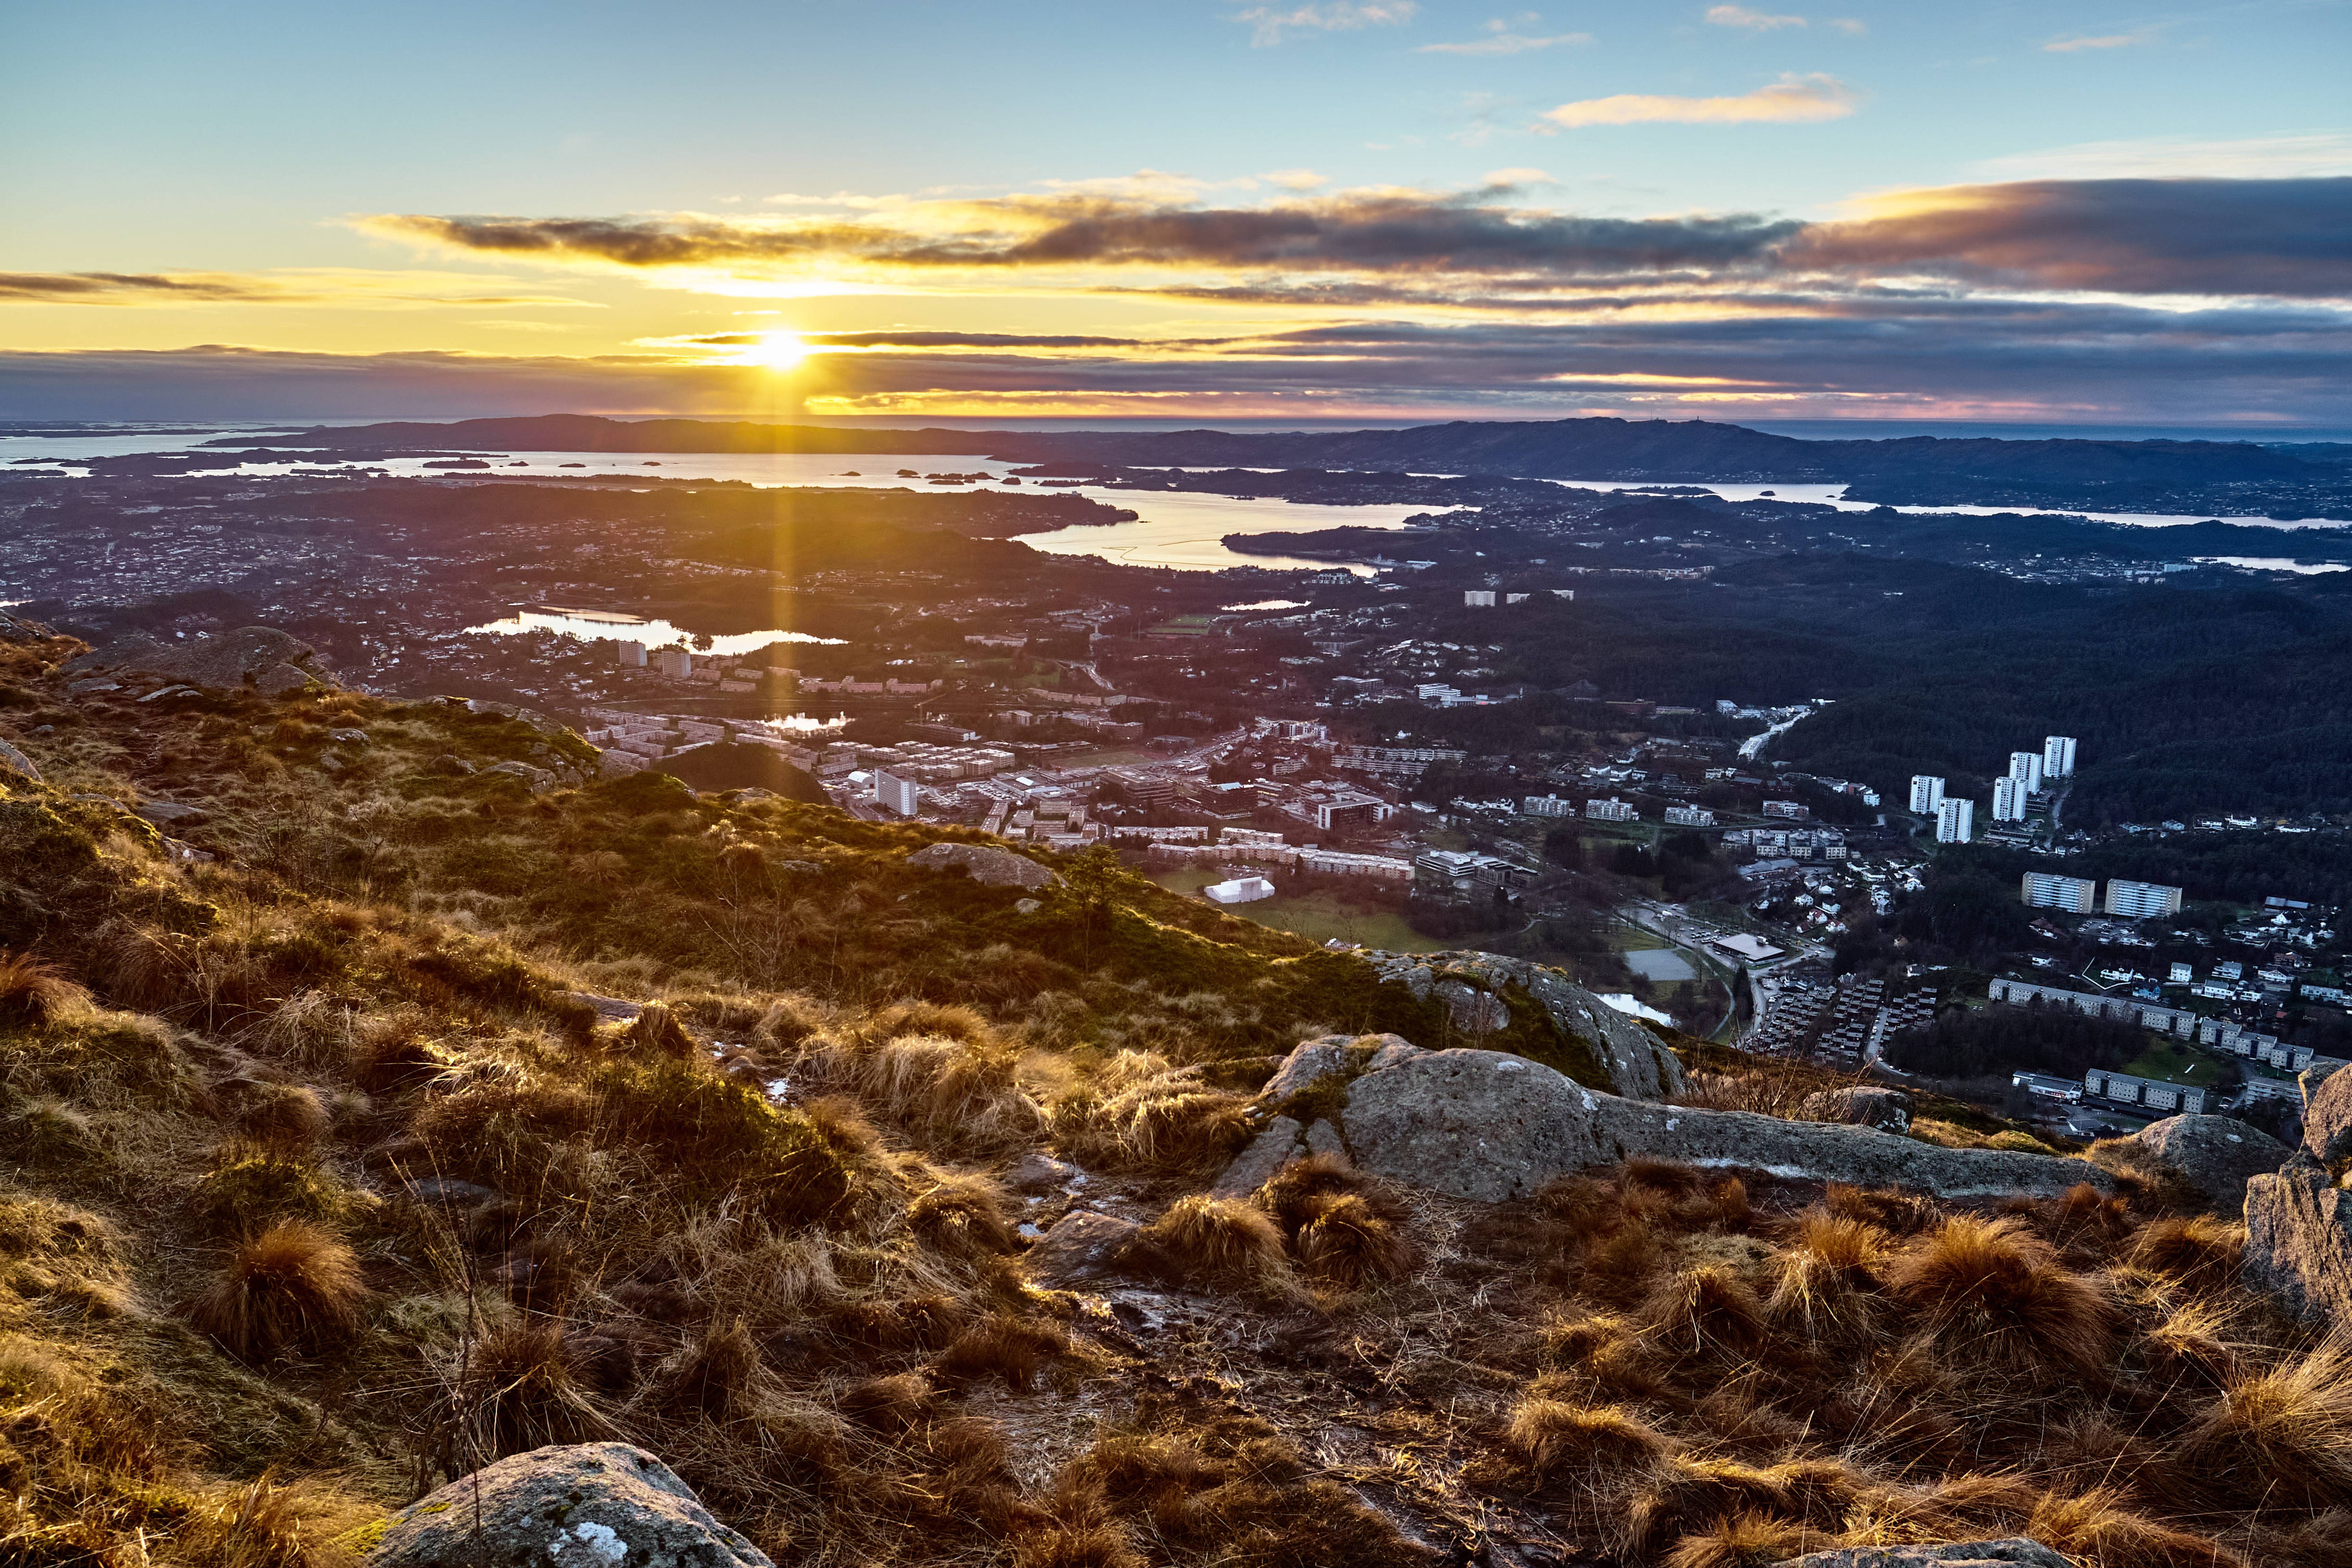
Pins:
x: 2058, y: 757
x: 1955, y: 820
x: 1927, y: 794
x: 2009, y: 798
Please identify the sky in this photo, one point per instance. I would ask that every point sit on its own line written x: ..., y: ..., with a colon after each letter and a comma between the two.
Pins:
x: 1327, y: 210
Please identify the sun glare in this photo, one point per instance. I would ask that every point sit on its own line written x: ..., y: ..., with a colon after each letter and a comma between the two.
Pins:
x: 776, y: 351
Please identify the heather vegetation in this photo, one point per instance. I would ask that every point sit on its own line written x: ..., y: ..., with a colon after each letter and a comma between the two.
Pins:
x: 335, y: 1170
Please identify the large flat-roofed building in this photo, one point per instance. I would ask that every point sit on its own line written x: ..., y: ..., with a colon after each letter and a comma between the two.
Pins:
x: 2009, y: 798
x: 1955, y: 821
x: 1927, y: 794
x: 896, y: 795
x: 2047, y: 891
x: 2025, y: 767
x: 2176, y: 1021
x: 1611, y: 810
x: 2152, y: 1094
x: 2141, y: 900
x: 2058, y: 757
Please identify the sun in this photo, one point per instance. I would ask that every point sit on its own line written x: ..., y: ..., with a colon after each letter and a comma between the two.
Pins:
x: 775, y: 351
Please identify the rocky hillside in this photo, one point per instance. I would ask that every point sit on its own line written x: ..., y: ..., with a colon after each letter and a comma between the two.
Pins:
x: 387, y: 1101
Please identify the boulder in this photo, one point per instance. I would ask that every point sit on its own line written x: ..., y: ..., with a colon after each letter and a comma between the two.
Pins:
x: 2299, y: 1241
x: 1082, y: 1248
x: 15, y: 763
x: 1277, y: 1143
x: 2328, y: 1118
x: 2018, y: 1551
x: 596, y: 1505
x: 1486, y: 1126
x: 1037, y: 1172
x: 263, y: 656
x: 2216, y: 1155
x: 985, y: 863
x: 1861, y: 1105
x: 1476, y: 990
x: 170, y: 812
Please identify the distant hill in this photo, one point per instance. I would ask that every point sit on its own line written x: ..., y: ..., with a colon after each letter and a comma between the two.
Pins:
x: 1922, y: 469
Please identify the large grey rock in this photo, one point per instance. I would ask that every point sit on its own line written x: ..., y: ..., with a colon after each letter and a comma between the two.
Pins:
x: 1311, y: 1062
x: 1486, y: 1126
x: 1278, y: 1143
x: 2216, y: 1155
x: 1862, y: 1106
x: 2016, y: 1551
x: 985, y: 863
x: 1080, y: 1249
x: 2299, y: 1242
x: 266, y: 657
x: 597, y: 1505
x: 1475, y: 988
x: 13, y: 761
x: 2328, y: 1118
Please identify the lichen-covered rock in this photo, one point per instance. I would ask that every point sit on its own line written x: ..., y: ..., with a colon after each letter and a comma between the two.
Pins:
x: 985, y: 863
x: 596, y: 1505
x: 265, y: 656
x: 2013, y: 1552
x: 2299, y: 1241
x: 2328, y: 1118
x: 1475, y: 989
x: 1080, y: 1249
x: 1862, y: 1106
x: 1278, y: 1143
x: 2215, y: 1155
x: 1485, y: 1126
x: 13, y: 761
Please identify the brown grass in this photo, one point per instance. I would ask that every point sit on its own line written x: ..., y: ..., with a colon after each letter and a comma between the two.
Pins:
x: 1708, y: 1311
x: 1584, y: 1452
x: 2201, y: 1252
x: 2278, y: 1438
x: 2101, y: 1527
x: 1216, y: 1243
x: 517, y: 1388
x: 1991, y: 1291
x: 1139, y: 1112
x: 954, y: 1095
x: 296, y: 1288
x: 32, y: 993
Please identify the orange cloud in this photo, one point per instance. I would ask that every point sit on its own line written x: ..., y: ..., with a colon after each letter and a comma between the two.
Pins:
x: 1791, y: 100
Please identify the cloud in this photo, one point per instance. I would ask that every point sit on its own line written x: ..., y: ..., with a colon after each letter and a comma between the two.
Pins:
x: 1794, y: 99
x: 1499, y: 41
x: 1750, y: 21
x: 1410, y: 231
x: 134, y: 289
x: 292, y: 286
x: 2283, y: 238
x: 1268, y: 24
x: 2105, y: 41
x: 1938, y: 354
x: 2247, y: 158
x: 1484, y: 248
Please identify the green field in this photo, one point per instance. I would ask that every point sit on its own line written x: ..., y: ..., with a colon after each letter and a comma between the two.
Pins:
x: 2174, y: 1061
x: 1319, y: 916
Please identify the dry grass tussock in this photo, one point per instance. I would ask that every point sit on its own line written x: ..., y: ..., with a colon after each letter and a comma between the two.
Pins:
x: 947, y: 1082
x: 295, y: 1288
x: 1139, y: 1111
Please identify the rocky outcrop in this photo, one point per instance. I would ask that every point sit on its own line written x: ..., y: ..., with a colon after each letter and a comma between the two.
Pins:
x: 2299, y: 1241
x: 985, y: 864
x: 261, y: 656
x: 1861, y: 1105
x: 2014, y: 1552
x: 2328, y: 1118
x: 597, y: 1505
x: 15, y: 764
x: 1488, y: 1127
x: 1477, y: 988
x: 2213, y: 1155
x: 1080, y: 1249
